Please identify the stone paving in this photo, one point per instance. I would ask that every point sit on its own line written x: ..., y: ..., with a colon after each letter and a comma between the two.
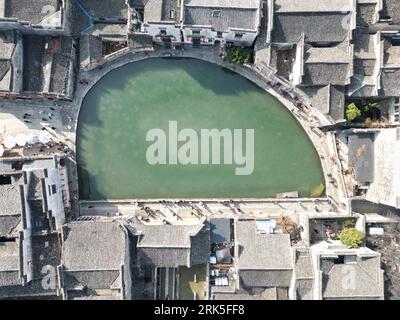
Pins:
x: 189, y: 212
x: 66, y: 114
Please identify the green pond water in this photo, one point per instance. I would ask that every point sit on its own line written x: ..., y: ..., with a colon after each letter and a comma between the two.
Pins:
x: 124, y: 105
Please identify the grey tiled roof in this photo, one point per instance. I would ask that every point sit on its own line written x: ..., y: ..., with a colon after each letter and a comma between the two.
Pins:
x: 33, y: 76
x: 8, y: 223
x: 167, y: 7
x: 93, y: 246
x: 60, y: 70
x: 313, y: 5
x: 164, y: 257
x: 93, y: 297
x: 328, y: 99
x: 367, y: 281
x: 289, y: 27
x: 304, y: 289
x: 355, y: 90
x: 364, y: 67
x: 93, y: 254
x: 90, y: 49
x: 102, y: 279
x: 391, y: 8
x: 34, y: 12
x: 337, y: 54
x: 7, y: 46
x: 364, y: 47
x: 365, y: 14
x: 261, y: 251
x: 11, y: 197
x: 232, y: 14
x: 326, y: 73
x: 9, y: 264
x: 390, y: 82
x: 106, y: 8
x: 220, y: 230
x: 166, y: 236
x: 172, y: 245
x: 60, y: 58
x: 9, y: 256
x: 303, y: 265
x: 59, y: 73
x: 153, y: 11
x: 337, y: 102
x: 33, y: 289
x: 265, y: 278
x: 137, y: 3
x: 319, y: 96
x: 111, y: 31
x: 143, y: 40
x: 9, y: 278
x: 200, y: 248
x: 239, y: 4
x: 254, y: 294
x: 361, y: 156
x: 4, y: 68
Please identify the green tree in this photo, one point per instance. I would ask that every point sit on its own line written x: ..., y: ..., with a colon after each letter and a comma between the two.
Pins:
x: 239, y: 55
x: 370, y: 105
x: 352, y: 112
x: 351, y: 237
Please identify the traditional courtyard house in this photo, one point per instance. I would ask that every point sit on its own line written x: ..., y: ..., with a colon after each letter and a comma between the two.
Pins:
x: 309, y: 44
x: 375, y: 56
x: 369, y: 157
x: 49, y: 68
x: 40, y: 16
x: 390, y: 72
x: 338, y: 271
x: 344, y: 273
x: 103, y: 29
x: 168, y: 250
x: 11, y: 203
x: 30, y: 218
x: 159, y: 19
x: 90, y: 50
x: 365, y: 82
x: 37, y: 59
x: 207, y: 22
x: 95, y: 261
x: 105, y: 19
x: 264, y: 260
x: 10, y: 62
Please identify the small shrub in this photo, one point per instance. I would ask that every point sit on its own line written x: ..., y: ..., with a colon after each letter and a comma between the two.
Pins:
x: 317, y: 191
x: 240, y: 55
x: 351, y: 237
x: 352, y: 112
x: 349, y: 223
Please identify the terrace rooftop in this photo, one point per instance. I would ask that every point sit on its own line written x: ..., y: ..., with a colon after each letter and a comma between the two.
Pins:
x: 391, y: 8
x: 313, y: 5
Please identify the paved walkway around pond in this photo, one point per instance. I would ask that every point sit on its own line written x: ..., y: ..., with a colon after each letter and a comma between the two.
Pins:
x: 309, y: 118
x: 67, y: 113
x: 190, y: 212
